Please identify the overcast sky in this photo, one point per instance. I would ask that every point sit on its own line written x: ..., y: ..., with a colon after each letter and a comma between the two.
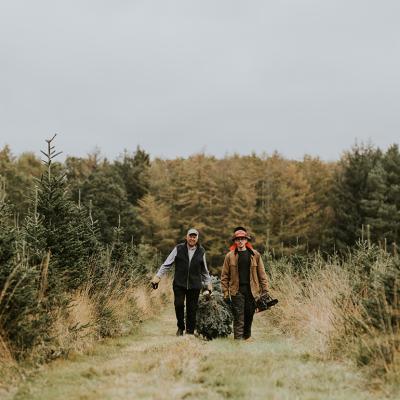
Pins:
x: 180, y: 77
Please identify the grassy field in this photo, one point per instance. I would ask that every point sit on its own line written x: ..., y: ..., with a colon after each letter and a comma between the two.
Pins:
x: 155, y: 364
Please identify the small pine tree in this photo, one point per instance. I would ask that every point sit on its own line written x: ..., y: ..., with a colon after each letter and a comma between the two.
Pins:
x: 23, y: 318
x: 127, y: 259
x: 34, y: 235
x: 7, y: 230
x: 58, y: 226
x: 214, y: 317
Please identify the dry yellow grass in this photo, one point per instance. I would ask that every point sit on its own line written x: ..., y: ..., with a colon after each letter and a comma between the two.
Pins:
x: 9, y: 368
x: 7, y: 361
x: 78, y: 329
x: 5, y: 352
x: 312, y: 308
x: 322, y: 309
x: 143, y: 301
x: 162, y: 295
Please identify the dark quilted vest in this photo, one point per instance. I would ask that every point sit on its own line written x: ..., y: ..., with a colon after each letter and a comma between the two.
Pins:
x: 188, y: 276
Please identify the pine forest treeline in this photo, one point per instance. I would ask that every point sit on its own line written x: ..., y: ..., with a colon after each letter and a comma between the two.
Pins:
x: 291, y: 206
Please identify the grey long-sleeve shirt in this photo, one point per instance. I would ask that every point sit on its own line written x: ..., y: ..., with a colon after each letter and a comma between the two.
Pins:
x: 167, y: 264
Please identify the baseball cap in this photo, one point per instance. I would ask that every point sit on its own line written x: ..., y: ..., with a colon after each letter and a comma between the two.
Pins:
x: 193, y: 231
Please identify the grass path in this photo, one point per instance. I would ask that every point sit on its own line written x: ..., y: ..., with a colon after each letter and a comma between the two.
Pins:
x: 155, y: 364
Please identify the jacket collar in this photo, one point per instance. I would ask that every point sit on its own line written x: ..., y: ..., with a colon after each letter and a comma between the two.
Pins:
x: 251, y: 251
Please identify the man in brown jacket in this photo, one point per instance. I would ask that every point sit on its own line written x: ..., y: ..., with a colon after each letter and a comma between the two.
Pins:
x: 243, y: 281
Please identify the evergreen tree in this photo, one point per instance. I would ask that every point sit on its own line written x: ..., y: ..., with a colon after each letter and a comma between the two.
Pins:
x: 34, y: 243
x: 78, y: 171
x: 391, y: 164
x: 58, y: 226
x: 8, y: 233
x: 376, y: 210
x: 105, y: 190
x: 350, y: 188
x: 127, y: 259
x: 133, y: 169
x: 214, y: 316
x: 119, y: 252
x: 19, y: 174
x: 23, y: 318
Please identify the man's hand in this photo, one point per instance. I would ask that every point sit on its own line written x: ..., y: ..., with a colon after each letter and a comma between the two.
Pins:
x: 207, y: 290
x: 207, y: 294
x: 155, y: 281
x: 228, y: 301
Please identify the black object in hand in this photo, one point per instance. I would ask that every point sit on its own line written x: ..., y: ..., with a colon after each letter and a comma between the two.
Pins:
x: 265, y: 302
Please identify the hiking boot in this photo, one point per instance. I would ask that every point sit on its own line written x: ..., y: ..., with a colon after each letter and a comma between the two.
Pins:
x: 179, y: 332
x: 190, y: 335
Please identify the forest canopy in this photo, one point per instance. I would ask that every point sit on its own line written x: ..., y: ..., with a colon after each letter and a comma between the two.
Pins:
x: 288, y: 205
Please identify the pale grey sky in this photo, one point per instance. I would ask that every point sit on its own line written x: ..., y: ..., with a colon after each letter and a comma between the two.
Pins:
x: 220, y: 76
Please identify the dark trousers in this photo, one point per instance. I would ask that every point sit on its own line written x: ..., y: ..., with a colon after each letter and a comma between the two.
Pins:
x: 192, y: 299
x: 243, y: 307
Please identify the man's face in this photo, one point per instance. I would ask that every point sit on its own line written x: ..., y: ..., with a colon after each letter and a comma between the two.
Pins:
x: 192, y: 239
x: 241, y: 242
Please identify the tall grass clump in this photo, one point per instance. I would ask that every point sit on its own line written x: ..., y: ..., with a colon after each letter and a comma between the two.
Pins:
x: 309, y: 291
x: 345, y: 306
x: 373, y: 329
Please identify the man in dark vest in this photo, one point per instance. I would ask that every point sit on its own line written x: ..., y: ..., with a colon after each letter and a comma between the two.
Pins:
x: 191, y: 276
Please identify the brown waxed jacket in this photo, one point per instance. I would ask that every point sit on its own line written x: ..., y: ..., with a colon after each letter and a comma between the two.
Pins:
x: 230, y: 275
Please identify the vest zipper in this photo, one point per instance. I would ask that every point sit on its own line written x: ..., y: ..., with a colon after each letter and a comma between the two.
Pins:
x: 190, y: 262
x: 187, y: 282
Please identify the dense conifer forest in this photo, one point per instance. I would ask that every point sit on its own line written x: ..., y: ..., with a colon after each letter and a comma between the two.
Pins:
x: 289, y: 205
